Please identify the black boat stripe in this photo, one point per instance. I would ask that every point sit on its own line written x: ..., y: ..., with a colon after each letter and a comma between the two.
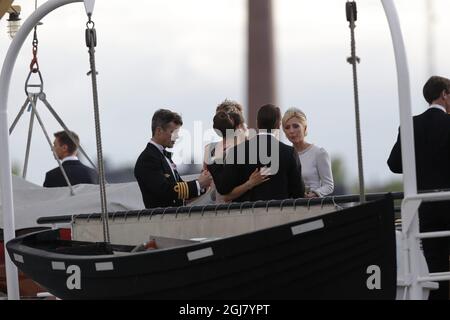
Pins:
x: 18, y: 258
x: 104, y: 266
x: 306, y: 227
x: 198, y: 254
x: 58, y: 265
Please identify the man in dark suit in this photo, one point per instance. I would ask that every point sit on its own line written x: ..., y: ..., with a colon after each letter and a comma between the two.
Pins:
x: 432, y: 148
x: 264, y: 150
x: 155, y: 172
x: 66, y: 150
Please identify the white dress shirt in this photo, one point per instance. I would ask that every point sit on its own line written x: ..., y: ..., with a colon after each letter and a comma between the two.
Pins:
x: 69, y: 158
x: 438, y: 106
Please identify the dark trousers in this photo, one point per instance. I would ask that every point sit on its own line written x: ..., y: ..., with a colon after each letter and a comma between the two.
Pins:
x: 436, y: 217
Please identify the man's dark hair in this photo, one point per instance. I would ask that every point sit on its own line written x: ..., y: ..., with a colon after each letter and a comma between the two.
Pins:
x: 163, y: 117
x: 64, y: 139
x: 268, y: 117
x: 434, y: 87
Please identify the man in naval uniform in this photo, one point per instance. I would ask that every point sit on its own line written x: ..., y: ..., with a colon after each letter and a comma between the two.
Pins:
x: 155, y: 172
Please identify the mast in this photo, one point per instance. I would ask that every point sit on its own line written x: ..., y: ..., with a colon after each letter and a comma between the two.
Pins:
x: 260, y: 58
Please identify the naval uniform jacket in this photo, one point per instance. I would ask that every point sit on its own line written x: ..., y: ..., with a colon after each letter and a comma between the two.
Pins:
x: 160, y: 187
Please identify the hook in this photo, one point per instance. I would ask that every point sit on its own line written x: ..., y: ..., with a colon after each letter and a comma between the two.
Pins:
x: 295, y: 203
x: 335, y: 204
x: 203, y: 209
x: 309, y: 201
x: 164, y: 212
x: 255, y: 203
x: 281, y: 204
x: 189, y: 212
x: 139, y: 215
x: 215, y: 209
x: 267, y: 205
x: 229, y: 207
x: 242, y: 204
x: 151, y: 214
x: 176, y: 212
x: 321, y: 202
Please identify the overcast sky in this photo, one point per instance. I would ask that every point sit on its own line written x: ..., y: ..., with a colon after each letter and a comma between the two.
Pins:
x: 189, y: 55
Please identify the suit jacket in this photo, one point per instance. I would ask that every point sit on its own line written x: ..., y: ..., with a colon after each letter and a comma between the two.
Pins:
x: 432, y: 148
x: 76, y: 172
x: 158, y: 185
x: 243, y: 159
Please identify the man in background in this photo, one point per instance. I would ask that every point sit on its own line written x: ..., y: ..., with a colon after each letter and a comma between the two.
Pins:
x: 66, y: 150
x: 432, y: 149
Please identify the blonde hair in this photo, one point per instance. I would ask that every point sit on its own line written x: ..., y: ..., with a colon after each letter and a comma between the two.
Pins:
x: 294, y: 113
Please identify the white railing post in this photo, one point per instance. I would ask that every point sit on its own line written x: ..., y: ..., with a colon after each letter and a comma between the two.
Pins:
x: 410, y: 217
x: 5, y: 161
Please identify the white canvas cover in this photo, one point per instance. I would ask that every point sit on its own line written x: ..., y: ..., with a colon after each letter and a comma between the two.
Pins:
x: 32, y: 201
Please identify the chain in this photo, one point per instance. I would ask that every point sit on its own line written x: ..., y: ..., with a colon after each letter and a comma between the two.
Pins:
x: 34, y: 65
x: 91, y: 42
x: 351, y: 13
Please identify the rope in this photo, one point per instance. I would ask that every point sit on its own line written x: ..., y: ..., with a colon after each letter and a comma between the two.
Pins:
x: 353, y: 60
x: 91, y: 42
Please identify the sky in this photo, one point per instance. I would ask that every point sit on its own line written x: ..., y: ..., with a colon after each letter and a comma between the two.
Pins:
x: 189, y: 55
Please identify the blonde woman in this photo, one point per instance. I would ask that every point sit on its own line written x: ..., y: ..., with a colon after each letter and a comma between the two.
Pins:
x: 315, y: 161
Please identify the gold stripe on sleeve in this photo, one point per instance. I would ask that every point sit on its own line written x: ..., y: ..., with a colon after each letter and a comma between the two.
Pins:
x: 185, y: 190
x: 177, y: 189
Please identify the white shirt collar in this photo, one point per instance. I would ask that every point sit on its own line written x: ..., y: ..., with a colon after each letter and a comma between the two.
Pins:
x: 273, y: 134
x: 437, y: 106
x: 160, y: 147
x: 69, y: 158
x: 266, y: 133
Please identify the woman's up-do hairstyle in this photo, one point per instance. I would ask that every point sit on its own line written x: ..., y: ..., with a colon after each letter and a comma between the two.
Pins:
x: 222, y: 122
x: 234, y: 109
